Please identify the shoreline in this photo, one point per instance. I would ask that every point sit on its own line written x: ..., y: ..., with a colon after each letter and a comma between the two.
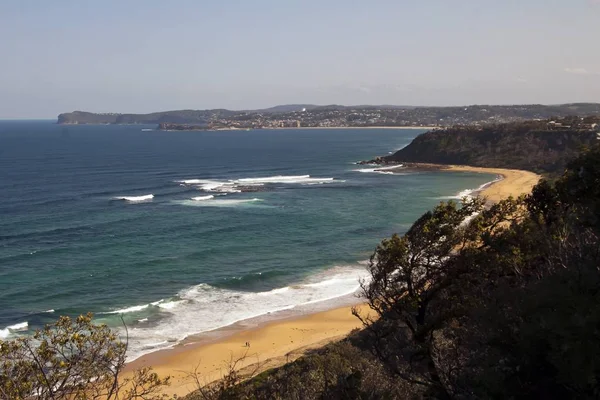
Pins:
x: 348, y: 127
x: 272, y: 344
x: 282, y: 337
x: 513, y: 182
x: 258, y: 129
x: 291, y: 128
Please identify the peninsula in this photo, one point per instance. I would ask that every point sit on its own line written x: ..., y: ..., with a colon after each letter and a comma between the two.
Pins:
x: 336, y: 116
x: 542, y: 146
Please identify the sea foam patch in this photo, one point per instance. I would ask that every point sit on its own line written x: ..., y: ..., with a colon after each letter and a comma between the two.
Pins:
x: 214, y: 202
x: 252, y: 184
x: 6, y: 332
x: 135, y: 199
x: 203, y: 307
x: 379, y: 170
x: 468, y: 193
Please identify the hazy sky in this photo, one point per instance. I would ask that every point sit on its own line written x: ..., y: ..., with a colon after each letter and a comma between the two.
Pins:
x: 150, y: 55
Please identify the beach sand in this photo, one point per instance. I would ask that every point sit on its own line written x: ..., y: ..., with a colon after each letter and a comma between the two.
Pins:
x: 513, y: 183
x: 279, y: 341
x: 271, y: 345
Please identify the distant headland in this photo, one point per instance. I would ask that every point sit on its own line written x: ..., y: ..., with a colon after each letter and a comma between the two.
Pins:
x: 543, y: 146
x: 314, y: 116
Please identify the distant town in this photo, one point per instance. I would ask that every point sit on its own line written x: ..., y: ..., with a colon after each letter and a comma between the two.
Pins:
x: 311, y: 116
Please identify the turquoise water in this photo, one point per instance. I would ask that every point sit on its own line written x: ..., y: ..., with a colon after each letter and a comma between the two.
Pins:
x: 184, y: 232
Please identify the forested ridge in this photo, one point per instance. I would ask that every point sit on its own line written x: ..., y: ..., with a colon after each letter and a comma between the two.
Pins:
x: 541, y: 146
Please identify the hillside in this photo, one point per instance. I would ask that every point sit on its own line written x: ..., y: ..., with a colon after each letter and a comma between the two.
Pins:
x: 539, y: 146
x: 179, y: 116
x: 307, y: 115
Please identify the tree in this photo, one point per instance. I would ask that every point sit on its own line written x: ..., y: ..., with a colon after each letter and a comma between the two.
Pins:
x: 410, y: 275
x: 503, y: 306
x: 72, y: 359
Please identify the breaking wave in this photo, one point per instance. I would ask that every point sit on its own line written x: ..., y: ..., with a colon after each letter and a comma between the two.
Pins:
x: 202, y: 198
x: 136, y: 199
x: 284, y: 179
x: 204, y: 307
x: 157, y: 304
x: 469, y: 193
x: 250, y: 184
x: 6, y: 332
x: 379, y: 170
x: 212, y: 202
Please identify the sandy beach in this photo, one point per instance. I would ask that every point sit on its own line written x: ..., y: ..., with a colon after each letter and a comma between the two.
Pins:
x: 279, y: 341
x: 271, y: 345
x: 513, y: 183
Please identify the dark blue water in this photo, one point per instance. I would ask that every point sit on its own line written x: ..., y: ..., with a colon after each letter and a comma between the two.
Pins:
x: 289, y: 222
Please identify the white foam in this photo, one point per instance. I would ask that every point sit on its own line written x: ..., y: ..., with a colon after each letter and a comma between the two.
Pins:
x: 325, y: 182
x: 128, y: 310
x: 227, y: 189
x: 160, y: 303
x: 202, y: 198
x: 218, y: 202
x: 204, y: 307
x: 21, y: 326
x: 49, y: 311
x: 236, y: 185
x: 289, y: 179
x: 468, y: 193
x: 274, y: 291
x: 276, y: 179
x: 136, y: 199
x: 209, y: 186
x: 154, y: 345
x: 170, y: 305
x: 379, y: 170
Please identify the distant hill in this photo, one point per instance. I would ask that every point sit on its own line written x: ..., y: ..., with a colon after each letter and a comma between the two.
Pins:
x: 540, y: 146
x: 286, y: 108
x: 339, y: 115
x: 179, y: 116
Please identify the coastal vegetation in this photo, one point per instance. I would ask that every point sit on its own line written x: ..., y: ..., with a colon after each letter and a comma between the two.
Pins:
x: 539, y: 146
x: 72, y: 359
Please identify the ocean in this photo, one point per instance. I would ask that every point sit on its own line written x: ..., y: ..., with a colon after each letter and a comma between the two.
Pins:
x: 180, y: 233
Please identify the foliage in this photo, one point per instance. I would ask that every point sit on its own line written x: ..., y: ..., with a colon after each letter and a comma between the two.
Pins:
x: 529, y: 145
x: 72, y: 359
x: 339, y: 371
x: 515, y: 314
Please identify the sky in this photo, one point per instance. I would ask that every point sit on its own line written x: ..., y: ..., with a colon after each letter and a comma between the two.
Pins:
x: 139, y: 56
